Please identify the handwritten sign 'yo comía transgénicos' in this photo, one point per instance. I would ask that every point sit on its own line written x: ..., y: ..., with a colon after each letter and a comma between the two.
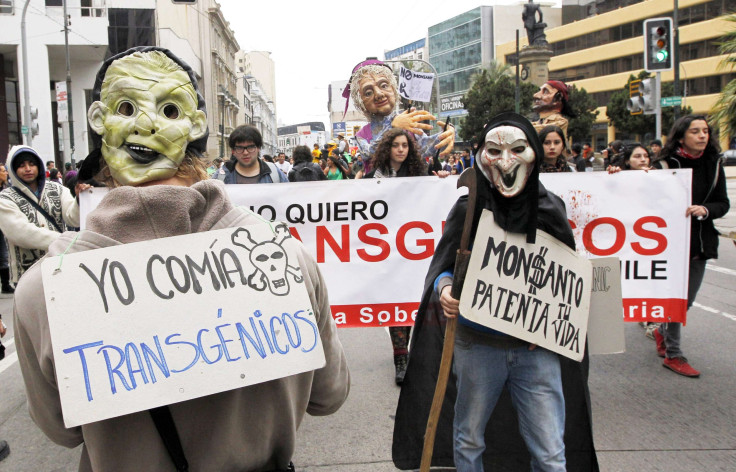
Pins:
x: 536, y: 292
x: 173, y: 319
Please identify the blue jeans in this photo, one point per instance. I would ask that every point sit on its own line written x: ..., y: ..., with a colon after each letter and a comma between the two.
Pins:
x: 533, y: 380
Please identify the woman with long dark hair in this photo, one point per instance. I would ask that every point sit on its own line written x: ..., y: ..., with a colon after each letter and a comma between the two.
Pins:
x: 397, y: 155
x: 691, y: 145
x: 555, y: 150
x: 635, y: 157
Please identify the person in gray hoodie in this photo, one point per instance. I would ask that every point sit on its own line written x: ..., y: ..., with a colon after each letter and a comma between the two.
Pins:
x: 33, y: 210
x: 252, y: 428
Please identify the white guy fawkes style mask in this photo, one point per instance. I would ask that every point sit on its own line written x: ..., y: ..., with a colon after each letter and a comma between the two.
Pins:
x: 507, y: 160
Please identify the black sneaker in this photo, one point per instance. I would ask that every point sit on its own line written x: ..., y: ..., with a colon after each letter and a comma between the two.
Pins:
x: 400, y: 363
x: 4, y: 450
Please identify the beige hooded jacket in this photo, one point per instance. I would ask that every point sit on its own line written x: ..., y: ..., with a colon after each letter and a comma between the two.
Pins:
x: 248, y: 429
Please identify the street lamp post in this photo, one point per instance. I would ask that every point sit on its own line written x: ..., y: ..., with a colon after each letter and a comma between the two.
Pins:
x: 26, y: 91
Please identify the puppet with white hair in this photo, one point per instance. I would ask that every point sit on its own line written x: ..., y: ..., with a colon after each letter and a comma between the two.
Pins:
x: 374, y: 91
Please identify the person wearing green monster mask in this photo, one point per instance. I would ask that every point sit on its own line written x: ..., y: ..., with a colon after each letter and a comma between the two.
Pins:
x: 149, y: 125
x: 146, y: 124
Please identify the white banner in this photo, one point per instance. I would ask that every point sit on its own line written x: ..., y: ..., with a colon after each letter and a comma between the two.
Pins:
x: 415, y: 85
x: 536, y: 292
x: 374, y: 239
x: 223, y: 320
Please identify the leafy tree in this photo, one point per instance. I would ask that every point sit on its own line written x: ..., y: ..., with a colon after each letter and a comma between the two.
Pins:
x: 492, y: 92
x: 724, y: 111
x: 584, y: 107
x: 642, y: 124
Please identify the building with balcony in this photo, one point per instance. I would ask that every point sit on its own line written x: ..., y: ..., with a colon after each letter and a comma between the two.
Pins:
x: 602, y: 44
x: 264, y: 117
x: 197, y: 33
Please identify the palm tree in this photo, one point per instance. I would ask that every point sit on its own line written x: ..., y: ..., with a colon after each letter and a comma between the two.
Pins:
x: 724, y: 111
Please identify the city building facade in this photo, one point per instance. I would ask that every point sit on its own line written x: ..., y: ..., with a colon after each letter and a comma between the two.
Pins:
x: 461, y: 46
x: 197, y: 33
x: 303, y: 134
x: 602, y: 44
x: 264, y: 116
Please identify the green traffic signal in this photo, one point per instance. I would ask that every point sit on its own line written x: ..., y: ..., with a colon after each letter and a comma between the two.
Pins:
x: 662, y: 55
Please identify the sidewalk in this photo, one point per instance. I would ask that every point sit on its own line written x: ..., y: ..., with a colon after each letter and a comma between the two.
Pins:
x: 727, y: 224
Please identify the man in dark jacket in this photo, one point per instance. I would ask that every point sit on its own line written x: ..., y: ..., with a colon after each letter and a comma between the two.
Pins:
x: 304, y: 169
x: 474, y: 434
x: 691, y: 145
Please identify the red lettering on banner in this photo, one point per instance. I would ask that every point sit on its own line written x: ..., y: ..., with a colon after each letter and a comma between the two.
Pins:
x: 659, y: 310
x: 617, y: 244
x: 324, y: 236
x: 427, y: 244
x: 644, y: 233
x: 295, y: 233
x: 380, y: 243
x: 374, y: 315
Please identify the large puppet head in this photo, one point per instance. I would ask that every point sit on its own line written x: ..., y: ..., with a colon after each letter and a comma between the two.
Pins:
x: 147, y: 116
x: 373, y: 88
x: 552, y: 96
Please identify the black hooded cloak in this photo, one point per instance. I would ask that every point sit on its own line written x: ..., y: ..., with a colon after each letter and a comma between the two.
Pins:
x: 505, y: 450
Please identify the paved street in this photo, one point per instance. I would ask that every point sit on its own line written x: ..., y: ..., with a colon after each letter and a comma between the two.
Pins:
x: 645, y: 417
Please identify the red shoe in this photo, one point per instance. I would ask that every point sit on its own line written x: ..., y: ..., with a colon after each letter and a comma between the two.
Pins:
x: 680, y: 366
x: 659, y: 339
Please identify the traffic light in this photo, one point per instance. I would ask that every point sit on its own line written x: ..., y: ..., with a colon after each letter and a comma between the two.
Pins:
x: 658, y: 44
x: 642, y: 97
x: 34, y: 124
x: 635, y: 104
x: 649, y: 98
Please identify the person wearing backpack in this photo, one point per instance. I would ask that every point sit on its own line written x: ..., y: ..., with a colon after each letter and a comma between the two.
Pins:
x: 304, y: 169
x: 245, y: 167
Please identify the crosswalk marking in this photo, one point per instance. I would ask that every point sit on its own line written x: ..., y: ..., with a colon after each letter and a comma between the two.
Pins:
x: 9, y: 360
x: 713, y: 310
x: 722, y: 270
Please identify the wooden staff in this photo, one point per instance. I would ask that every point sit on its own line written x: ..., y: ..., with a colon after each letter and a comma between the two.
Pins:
x: 467, y: 179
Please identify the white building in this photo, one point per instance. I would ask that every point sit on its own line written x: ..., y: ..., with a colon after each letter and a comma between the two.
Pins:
x: 198, y: 34
x: 260, y: 65
x: 264, y: 117
x: 412, y: 51
x: 303, y: 134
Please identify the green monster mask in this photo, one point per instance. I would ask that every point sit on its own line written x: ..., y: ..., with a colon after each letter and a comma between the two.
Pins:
x: 147, y: 115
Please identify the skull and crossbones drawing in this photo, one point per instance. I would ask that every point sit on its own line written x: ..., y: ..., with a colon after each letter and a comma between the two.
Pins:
x: 270, y: 261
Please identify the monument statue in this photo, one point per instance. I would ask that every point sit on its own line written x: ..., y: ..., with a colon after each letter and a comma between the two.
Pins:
x: 534, y: 26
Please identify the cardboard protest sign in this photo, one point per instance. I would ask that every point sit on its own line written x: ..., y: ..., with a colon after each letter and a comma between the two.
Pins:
x: 178, y: 318
x: 536, y: 292
x: 415, y: 85
x: 605, y: 323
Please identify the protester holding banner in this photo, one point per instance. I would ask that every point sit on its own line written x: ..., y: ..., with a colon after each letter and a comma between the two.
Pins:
x: 248, y: 428
x: 692, y: 145
x: 398, y: 156
x: 555, y: 150
x: 374, y: 92
x: 635, y: 157
x: 487, y: 432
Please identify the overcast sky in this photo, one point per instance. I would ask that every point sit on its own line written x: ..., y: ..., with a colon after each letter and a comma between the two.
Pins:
x: 316, y: 42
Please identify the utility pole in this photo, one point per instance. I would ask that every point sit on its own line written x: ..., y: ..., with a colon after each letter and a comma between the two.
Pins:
x: 70, y: 109
x: 676, y: 59
x: 26, y: 91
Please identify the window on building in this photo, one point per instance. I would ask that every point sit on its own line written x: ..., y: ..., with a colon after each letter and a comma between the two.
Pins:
x: 129, y: 27
x: 54, y: 3
x: 6, y: 7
